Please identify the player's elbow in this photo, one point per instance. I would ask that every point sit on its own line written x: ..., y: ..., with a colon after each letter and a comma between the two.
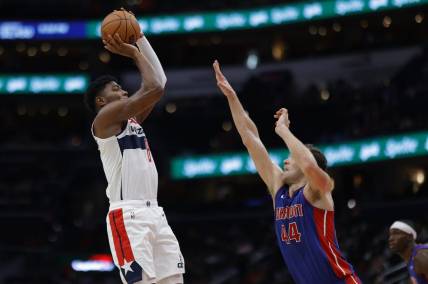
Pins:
x: 318, y: 178
x: 247, y: 138
x: 159, y: 91
x: 156, y: 90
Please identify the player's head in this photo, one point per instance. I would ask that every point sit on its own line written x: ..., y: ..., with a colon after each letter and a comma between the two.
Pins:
x: 292, y: 173
x: 401, y: 235
x: 102, y: 91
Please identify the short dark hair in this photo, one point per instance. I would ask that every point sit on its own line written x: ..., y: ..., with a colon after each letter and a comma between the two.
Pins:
x: 95, y: 87
x: 319, y: 156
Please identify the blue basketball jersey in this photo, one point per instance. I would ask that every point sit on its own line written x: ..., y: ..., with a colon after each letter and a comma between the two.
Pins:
x: 418, y: 278
x: 307, y: 240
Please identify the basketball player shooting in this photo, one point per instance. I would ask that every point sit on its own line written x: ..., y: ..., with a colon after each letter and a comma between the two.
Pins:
x: 301, y: 191
x: 142, y: 244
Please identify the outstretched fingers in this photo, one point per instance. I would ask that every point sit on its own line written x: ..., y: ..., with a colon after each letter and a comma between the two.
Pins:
x: 218, y: 74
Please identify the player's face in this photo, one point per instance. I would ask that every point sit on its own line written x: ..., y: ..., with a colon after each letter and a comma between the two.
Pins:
x: 398, y: 240
x: 113, y: 92
x: 292, y: 172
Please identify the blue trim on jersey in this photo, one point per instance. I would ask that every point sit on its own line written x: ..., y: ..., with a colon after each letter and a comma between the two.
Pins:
x: 132, y: 142
x: 298, y: 240
x: 411, y: 266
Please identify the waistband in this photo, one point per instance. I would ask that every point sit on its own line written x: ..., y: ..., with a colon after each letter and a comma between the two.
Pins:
x: 134, y: 203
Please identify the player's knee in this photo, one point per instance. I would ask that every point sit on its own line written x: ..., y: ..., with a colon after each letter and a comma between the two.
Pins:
x: 174, y: 279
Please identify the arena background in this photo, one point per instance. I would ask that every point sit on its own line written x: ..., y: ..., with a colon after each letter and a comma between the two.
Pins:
x: 353, y: 74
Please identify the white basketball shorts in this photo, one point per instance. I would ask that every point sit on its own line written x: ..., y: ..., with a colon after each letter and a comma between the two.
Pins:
x: 142, y: 242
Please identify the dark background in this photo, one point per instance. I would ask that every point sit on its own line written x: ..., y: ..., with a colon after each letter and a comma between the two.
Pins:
x: 52, y: 187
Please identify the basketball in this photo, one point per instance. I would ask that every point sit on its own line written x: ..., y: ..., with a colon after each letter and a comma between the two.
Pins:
x: 123, y: 23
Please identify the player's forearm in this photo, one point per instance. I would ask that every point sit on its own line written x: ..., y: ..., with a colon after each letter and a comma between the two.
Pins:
x: 147, y: 50
x: 301, y: 154
x: 148, y: 74
x: 243, y: 122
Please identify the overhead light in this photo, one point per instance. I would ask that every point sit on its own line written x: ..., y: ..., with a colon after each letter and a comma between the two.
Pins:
x: 313, y: 30
x: 387, y: 21
x: 104, y: 57
x: 32, y: 51
x: 45, y: 47
x: 227, y: 126
x: 171, y: 107
x: 322, y: 31
x: 357, y: 181
x: 62, y: 111
x: 419, y: 18
x: 418, y: 176
x: 337, y: 27
x: 252, y: 60
x: 352, y: 203
x: 278, y: 50
x: 324, y: 94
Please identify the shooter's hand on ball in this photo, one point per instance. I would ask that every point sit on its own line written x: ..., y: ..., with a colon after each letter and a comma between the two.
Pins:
x: 115, y: 44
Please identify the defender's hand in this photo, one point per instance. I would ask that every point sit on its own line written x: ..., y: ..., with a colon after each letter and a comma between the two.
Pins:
x: 116, y: 45
x: 282, y: 119
x: 222, y: 82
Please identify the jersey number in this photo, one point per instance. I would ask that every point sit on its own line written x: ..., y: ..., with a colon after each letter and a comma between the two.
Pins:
x: 293, y: 233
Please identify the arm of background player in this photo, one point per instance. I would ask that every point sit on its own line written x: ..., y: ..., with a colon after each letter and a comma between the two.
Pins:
x: 268, y: 170
x: 147, y: 50
x: 110, y: 118
x: 421, y: 263
x: 318, y: 179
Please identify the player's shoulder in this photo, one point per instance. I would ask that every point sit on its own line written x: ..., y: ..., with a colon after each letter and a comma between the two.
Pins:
x: 104, y: 129
x: 421, y: 261
x: 422, y: 254
x: 277, y: 185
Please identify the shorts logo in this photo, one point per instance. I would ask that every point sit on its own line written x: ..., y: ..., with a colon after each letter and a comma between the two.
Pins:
x: 180, y: 264
x: 132, y: 271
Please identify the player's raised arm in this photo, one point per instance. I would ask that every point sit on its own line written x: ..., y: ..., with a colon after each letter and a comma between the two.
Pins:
x: 267, y: 169
x: 147, y: 50
x: 318, y: 179
x: 111, y: 117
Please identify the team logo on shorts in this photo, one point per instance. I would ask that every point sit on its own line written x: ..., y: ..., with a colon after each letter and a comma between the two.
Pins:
x: 132, y: 272
x: 180, y: 264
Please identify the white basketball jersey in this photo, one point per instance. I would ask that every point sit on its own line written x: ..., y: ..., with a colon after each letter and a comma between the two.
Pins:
x: 128, y: 164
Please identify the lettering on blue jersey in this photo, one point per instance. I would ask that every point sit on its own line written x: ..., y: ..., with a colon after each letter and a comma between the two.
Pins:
x: 292, y: 235
x: 284, y: 213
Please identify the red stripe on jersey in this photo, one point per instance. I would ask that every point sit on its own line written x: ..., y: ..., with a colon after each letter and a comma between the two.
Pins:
x: 324, y: 222
x: 122, y: 245
x: 353, y: 279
